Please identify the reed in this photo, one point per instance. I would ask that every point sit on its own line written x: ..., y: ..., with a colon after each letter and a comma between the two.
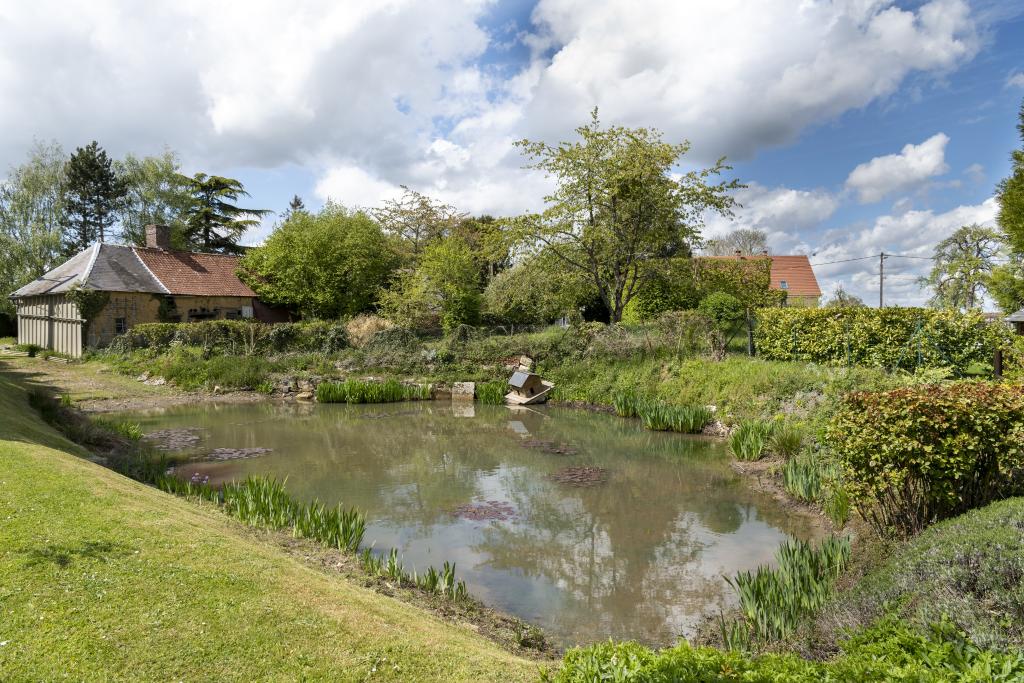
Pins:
x: 774, y: 601
x: 358, y: 391
x: 441, y: 582
x: 787, y: 439
x: 129, y: 430
x: 661, y: 417
x: 802, y: 477
x: 749, y: 439
x: 491, y: 393
x: 836, y: 504
x: 690, y: 419
x: 626, y: 404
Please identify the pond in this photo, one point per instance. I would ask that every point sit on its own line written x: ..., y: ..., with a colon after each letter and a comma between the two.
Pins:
x: 582, y: 523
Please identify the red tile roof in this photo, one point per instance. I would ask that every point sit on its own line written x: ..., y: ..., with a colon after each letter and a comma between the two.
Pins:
x: 195, y: 274
x: 795, y: 271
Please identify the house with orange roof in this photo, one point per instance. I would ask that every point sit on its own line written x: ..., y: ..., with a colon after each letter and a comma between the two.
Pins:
x: 793, y: 275
x: 147, y: 284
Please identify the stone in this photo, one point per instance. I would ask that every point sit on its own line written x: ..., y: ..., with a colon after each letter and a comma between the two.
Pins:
x: 305, y: 396
x: 143, y: 377
x: 463, y: 391
x: 156, y: 381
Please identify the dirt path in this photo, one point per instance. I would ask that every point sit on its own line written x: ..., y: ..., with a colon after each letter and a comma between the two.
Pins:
x: 97, y: 388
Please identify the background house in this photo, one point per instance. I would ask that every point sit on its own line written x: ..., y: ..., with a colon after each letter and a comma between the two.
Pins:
x: 150, y: 284
x: 790, y: 274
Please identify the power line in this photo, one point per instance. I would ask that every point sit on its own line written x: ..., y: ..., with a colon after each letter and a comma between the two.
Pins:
x: 847, y: 260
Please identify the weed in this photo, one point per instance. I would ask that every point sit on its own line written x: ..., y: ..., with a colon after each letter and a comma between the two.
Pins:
x: 265, y: 387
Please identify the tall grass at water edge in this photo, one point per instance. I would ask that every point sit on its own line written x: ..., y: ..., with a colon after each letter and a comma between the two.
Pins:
x: 264, y: 502
x: 750, y: 439
x: 491, y: 393
x: 774, y: 601
x: 658, y: 416
x: 358, y: 391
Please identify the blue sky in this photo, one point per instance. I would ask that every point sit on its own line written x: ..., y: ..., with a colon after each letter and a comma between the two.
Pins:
x: 858, y: 125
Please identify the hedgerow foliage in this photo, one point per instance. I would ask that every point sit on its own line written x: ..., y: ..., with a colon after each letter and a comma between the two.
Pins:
x: 890, y: 338
x: 918, y: 455
x: 235, y: 337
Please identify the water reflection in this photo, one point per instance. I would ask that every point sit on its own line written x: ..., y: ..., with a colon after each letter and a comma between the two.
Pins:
x: 639, y: 556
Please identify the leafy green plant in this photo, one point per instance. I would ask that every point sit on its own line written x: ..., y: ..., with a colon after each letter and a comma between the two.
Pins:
x: 265, y: 387
x: 773, y: 601
x: 921, y: 454
x: 749, y: 440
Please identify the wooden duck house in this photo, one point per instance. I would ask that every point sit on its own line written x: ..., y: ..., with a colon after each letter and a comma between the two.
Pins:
x: 527, y: 388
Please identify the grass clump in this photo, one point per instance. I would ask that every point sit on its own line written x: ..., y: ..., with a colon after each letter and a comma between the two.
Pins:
x: 774, y: 601
x: 787, y: 439
x: 491, y: 393
x: 802, y: 477
x: 129, y: 430
x: 626, y: 404
x: 750, y: 439
x: 358, y: 391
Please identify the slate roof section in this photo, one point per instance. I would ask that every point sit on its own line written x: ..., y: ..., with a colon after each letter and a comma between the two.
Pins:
x: 1017, y: 317
x: 114, y: 268
x: 795, y: 271
x: 106, y: 267
x: 195, y: 274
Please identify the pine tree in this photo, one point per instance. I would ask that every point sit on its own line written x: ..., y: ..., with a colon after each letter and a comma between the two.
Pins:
x: 92, y: 195
x: 295, y: 205
x: 214, y: 223
x: 1010, y: 194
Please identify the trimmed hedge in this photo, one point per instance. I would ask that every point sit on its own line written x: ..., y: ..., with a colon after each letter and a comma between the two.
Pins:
x: 236, y: 337
x: 890, y: 338
x: 918, y: 455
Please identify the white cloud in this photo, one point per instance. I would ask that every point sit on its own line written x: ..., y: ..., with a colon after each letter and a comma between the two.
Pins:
x: 910, y: 233
x: 892, y: 173
x: 352, y: 186
x: 1015, y: 80
x: 781, y: 212
x: 394, y: 89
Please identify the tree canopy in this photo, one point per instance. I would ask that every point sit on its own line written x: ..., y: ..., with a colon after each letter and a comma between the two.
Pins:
x: 417, y: 221
x: 93, y: 194
x: 617, y: 205
x: 156, y: 193
x: 1010, y: 195
x: 746, y: 241
x: 213, y: 222
x: 963, y: 264
x: 325, y: 265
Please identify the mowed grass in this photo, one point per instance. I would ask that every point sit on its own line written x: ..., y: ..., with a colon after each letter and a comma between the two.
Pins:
x: 102, y: 578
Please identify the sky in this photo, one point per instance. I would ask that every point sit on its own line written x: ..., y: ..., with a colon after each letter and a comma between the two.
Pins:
x: 858, y: 126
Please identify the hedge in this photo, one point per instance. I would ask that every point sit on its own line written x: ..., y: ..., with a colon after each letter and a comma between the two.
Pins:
x: 235, y: 337
x: 914, y: 456
x: 889, y: 338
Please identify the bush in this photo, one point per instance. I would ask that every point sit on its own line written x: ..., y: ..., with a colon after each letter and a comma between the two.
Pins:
x: 363, y: 327
x: 235, y: 337
x: 917, y: 455
x: 890, y: 338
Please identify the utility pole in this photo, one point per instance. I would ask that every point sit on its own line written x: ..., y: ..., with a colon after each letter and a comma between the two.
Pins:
x: 881, y: 279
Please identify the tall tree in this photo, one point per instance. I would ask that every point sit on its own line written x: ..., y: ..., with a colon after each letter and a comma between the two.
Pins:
x: 746, y: 241
x: 963, y: 264
x: 1010, y: 195
x: 31, y: 219
x: 92, y: 197
x: 417, y: 220
x: 156, y: 193
x: 214, y: 223
x: 843, y: 299
x: 617, y: 205
x: 294, y: 206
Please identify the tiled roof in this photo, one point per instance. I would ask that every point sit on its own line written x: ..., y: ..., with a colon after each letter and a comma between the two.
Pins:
x: 195, y: 274
x: 795, y: 271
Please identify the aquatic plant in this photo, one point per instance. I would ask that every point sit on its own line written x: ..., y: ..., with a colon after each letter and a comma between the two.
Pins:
x: 440, y: 582
x: 836, y: 503
x: 265, y: 387
x: 358, y: 391
x: 802, y: 477
x: 773, y: 601
x: 129, y: 430
x: 690, y: 419
x: 337, y: 527
x: 658, y: 416
x: 787, y: 440
x: 749, y: 439
x: 491, y: 393
x: 626, y: 403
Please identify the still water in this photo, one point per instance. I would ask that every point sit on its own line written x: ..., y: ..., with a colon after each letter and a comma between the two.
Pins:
x: 581, y: 523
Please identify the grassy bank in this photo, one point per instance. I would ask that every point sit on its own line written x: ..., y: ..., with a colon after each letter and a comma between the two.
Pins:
x: 103, y: 578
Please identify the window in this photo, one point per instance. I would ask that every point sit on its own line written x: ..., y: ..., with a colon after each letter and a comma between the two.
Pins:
x: 783, y: 285
x: 120, y: 325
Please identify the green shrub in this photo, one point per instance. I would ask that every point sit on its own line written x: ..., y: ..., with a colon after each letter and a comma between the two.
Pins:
x: 236, y: 337
x: 887, y: 651
x: 750, y: 438
x: 918, y: 455
x: 890, y: 338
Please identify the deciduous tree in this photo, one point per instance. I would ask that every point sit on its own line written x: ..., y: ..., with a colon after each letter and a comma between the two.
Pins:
x: 1010, y: 195
x: 963, y: 264
x: 617, y: 205
x: 746, y: 241
x: 325, y: 265
x: 155, y: 194
x: 417, y: 220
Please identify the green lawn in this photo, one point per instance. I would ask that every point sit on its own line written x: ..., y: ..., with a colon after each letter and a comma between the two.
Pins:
x: 102, y: 578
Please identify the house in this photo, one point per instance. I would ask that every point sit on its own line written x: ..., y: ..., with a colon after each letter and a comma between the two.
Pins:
x: 1017, y: 319
x: 145, y: 284
x: 792, y: 275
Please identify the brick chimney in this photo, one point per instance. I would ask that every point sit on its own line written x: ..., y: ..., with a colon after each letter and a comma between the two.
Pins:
x: 158, y: 237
